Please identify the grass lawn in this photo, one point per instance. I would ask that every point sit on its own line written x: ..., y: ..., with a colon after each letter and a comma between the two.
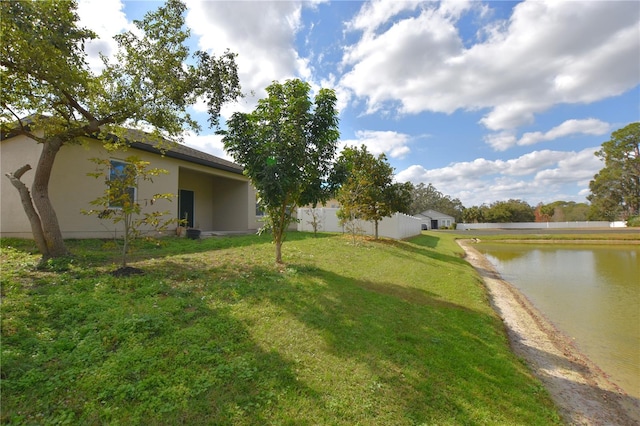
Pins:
x: 384, y: 333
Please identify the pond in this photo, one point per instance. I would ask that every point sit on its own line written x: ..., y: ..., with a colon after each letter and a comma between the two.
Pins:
x: 590, y: 293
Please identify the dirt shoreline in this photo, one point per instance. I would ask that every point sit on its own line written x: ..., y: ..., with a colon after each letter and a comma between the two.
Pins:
x: 583, y: 393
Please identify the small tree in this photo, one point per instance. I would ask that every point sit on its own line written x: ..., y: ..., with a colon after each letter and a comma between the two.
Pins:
x: 315, y: 220
x: 119, y: 202
x: 368, y: 191
x: 286, y: 146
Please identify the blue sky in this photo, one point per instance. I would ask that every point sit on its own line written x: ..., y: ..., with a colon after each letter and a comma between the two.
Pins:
x: 485, y: 100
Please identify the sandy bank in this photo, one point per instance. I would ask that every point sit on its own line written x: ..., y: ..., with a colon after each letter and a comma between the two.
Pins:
x: 579, y: 388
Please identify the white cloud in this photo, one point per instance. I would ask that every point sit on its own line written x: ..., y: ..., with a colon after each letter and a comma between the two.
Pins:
x: 579, y: 167
x: 547, y: 53
x: 211, y: 144
x: 590, y: 126
x: 501, y: 141
x: 376, y: 13
x: 392, y: 144
x: 262, y: 33
x: 506, y: 139
x: 533, y: 177
x: 106, y: 18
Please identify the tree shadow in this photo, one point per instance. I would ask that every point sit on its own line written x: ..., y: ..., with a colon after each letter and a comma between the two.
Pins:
x: 138, y: 351
x: 103, y: 252
x: 422, y: 246
x: 426, y: 240
x: 415, y: 344
x: 177, y: 346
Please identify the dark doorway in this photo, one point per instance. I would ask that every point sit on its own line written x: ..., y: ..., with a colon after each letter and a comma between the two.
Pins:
x: 185, y: 206
x: 434, y: 224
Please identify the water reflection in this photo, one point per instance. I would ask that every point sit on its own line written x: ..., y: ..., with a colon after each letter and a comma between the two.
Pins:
x: 591, y: 293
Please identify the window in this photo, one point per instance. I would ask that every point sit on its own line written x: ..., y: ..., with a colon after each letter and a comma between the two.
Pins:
x: 122, y: 181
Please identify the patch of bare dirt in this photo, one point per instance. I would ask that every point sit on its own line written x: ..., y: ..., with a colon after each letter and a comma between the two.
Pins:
x: 582, y: 392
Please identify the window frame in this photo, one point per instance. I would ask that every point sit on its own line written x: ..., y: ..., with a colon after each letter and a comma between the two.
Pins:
x: 115, y: 164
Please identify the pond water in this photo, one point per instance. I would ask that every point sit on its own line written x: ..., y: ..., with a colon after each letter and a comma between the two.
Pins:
x: 591, y: 293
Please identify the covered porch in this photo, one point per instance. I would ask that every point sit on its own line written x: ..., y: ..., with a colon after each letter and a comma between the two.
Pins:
x: 215, y: 203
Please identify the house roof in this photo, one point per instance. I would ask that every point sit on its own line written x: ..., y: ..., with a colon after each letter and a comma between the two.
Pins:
x: 183, y: 152
x: 146, y: 142
x: 433, y: 214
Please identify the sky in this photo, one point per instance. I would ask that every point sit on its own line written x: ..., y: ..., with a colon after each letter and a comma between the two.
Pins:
x: 487, y: 101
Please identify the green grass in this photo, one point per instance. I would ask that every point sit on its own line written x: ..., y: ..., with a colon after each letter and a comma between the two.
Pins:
x: 385, y: 333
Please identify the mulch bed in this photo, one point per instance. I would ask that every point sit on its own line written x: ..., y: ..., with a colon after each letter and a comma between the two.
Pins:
x: 127, y: 271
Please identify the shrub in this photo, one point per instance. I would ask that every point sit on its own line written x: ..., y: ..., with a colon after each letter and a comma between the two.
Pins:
x: 633, y: 221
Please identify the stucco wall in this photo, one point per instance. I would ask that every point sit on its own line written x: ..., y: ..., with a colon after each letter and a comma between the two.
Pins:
x: 15, y: 153
x: 71, y: 190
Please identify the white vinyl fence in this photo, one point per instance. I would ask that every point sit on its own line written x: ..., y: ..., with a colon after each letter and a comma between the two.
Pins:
x: 398, y: 227
x: 539, y: 225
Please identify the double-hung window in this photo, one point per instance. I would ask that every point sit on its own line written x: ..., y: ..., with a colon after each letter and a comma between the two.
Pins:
x: 122, y: 184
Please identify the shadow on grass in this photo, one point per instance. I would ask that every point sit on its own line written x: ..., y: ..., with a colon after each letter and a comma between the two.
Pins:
x: 417, y: 245
x: 105, y: 252
x: 425, y: 240
x: 437, y: 360
x: 136, y: 351
x: 193, y: 342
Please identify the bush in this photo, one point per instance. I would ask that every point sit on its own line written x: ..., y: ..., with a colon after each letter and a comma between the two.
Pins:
x: 633, y: 221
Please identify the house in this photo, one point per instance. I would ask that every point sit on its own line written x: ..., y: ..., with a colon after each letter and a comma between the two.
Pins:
x: 432, y: 219
x: 212, y: 193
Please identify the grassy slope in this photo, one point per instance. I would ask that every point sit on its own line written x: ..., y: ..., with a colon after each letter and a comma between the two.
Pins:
x: 215, y: 333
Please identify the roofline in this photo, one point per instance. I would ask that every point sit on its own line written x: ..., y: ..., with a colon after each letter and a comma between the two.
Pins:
x: 4, y: 135
x: 180, y: 156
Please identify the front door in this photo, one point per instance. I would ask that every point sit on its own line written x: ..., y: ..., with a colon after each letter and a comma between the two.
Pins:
x: 186, y: 206
x: 434, y: 224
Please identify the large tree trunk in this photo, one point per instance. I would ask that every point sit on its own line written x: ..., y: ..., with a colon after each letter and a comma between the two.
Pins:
x: 32, y: 214
x: 40, y: 194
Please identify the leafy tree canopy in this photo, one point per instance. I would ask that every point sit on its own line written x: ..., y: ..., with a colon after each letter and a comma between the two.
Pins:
x: 615, y: 189
x: 286, y: 146
x: 366, y: 188
x: 427, y: 197
x: 562, y: 211
x: 501, y: 212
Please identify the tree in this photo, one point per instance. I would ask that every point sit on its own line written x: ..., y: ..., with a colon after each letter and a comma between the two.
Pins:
x: 426, y: 197
x: 368, y: 191
x: 399, y: 197
x: 509, y: 211
x: 562, y: 211
x: 44, y: 72
x: 286, y: 146
x: 615, y: 189
x: 120, y: 203
x: 473, y: 214
x: 544, y: 212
